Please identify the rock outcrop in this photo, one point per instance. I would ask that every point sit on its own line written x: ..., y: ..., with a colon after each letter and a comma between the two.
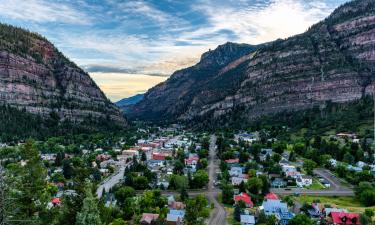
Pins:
x: 334, y: 61
x: 36, y: 77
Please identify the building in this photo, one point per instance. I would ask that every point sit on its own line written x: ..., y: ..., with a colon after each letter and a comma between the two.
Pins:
x: 247, y: 220
x: 277, y: 208
x: 278, y: 183
x: 232, y: 161
x: 245, y: 198
x: 264, y: 153
x: 175, y: 217
x: 148, y: 218
x: 235, y: 171
x: 238, y: 180
x: 344, y: 218
x: 304, y: 181
x: 271, y: 196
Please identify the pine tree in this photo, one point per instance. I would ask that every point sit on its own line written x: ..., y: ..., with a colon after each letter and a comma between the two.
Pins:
x: 89, y: 214
x: 237, y: 213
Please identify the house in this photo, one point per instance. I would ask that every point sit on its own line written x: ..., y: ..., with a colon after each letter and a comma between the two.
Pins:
x: 56, y: 201
x: 235, y: 171
x: 271, y: 196
x: 159, y: 155
x: 277, y: 208
x: 245, y: 198
x: 247, y: 219
x: 192, y: 160
x: 232, y: 161
x: 177, y: 205
x: 264, y: 153
x: 344, y: 218
x: 316, y: 211
x: 304, y: 181
x: 354, y: 168
x: 237, y: 180
x: 290, y: 171
x: 175, y: 217
x: 148, y: 218
x: 278, y: 183
x: 333, y: 162
x: 328, y: 211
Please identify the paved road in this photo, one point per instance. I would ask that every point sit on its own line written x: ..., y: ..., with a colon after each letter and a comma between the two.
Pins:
x: 111, y: 181
x: 218, y: 216
x: 333, y: 180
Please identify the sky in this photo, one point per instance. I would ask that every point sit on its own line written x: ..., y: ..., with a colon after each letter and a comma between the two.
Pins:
x: 129, y: 46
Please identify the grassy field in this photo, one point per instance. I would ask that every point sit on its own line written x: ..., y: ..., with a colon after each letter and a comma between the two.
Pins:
x: 350, y: 203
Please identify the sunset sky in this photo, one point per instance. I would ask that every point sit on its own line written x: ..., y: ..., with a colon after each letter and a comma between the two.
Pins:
x: 129, y: 46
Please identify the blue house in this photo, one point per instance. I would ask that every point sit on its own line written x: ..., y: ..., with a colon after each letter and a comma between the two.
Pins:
x: 175, y: 217
x: 279, y: 209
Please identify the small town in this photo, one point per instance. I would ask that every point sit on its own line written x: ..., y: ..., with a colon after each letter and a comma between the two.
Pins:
x: 174, y: 176
x: 198, y: 112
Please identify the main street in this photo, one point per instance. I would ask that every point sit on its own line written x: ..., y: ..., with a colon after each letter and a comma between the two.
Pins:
x: 218, y: 216
x: 111, y: 181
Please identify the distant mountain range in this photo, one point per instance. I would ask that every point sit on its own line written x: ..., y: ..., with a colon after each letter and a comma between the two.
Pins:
x: 38, y: 79
x: 129, y: 101
x: 333, y: 61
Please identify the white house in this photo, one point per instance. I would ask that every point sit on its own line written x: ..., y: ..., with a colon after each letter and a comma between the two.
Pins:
x: 237, y: 180
x: 304, y: 181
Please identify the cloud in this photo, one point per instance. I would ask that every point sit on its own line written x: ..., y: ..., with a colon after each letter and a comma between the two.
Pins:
x: 41, y: 11
x: 261, y: 23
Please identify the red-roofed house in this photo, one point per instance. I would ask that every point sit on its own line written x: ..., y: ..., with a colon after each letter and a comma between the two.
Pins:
x: 232, y: 161
x: 159, y: 156
x: 56, y: 201
x: 148, y: 218
x: 245, y: 198
x: 345, y: 218
x: 271, y: 196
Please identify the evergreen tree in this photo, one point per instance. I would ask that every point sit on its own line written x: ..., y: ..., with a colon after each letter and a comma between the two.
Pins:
x: 184, y: 194
x: 89, y: 214
x: 237, y: 213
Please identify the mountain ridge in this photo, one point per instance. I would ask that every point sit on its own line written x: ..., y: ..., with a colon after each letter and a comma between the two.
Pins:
x: 333, y: 61
x: 36, y: 77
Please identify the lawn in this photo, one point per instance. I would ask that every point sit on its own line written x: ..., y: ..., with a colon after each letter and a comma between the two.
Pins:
x: 350, y: 203
x: 316, y: 185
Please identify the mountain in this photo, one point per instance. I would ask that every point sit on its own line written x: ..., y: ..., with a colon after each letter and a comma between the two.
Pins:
x: 332, y: 62
x: 130, y: 100
x: 37, y: 79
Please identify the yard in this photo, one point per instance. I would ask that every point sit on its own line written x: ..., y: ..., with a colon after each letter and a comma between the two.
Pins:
x: 316, y: 185
x: 350, y: 203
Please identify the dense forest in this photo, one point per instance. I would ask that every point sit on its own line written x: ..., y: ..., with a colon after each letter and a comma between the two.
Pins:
x: 16, y: 124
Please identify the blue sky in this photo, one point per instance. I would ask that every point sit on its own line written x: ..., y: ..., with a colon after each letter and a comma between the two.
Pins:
x: 129, y: 46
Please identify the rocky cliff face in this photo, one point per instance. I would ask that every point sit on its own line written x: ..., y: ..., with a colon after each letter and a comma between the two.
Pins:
x: 333, y: 61
x: 36, y: 77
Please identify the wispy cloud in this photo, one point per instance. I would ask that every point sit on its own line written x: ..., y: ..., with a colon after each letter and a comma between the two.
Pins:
x: 264, y: 22
x: 41, y: 11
